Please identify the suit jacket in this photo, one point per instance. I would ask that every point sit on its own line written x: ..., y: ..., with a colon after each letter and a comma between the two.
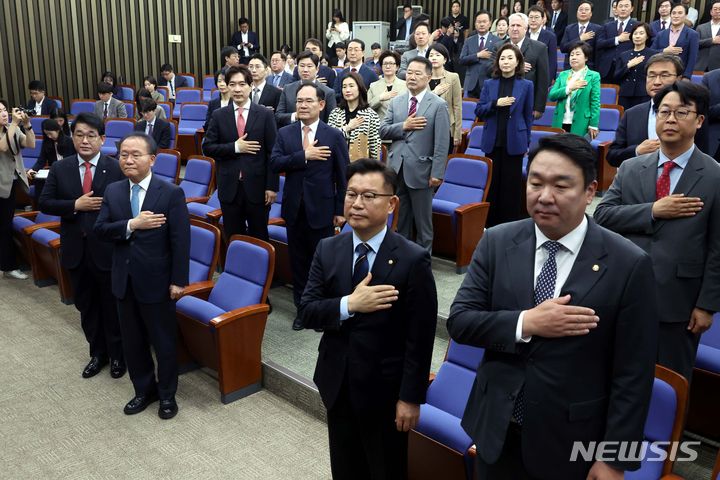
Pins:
x: 689, y: 41
x: 709, y: 53
x: 572, y: 36
x: 586, y: 102
x: 236, y: 40
x: 551, y: 42
x: 48, y: 155
x: 401, y: 28
x: 48, y: 105
x: 286, y: 106
x: 406, y: 58
x: 116, y: 109
x: 535, y: 53
x: 519, y: 122
x: 154, y: 259
x: 219, y: 143
x: 560, y: 24
x: 161, y: 131
x: 605, y: 49
x: 712, y: 81
x: 213, y: 105
x: 368, y: 75
x: 685, y: 252
x: 324, y: 72
x: 285, y: 78
x: 656, y: 26
x: 180, y: 82
x: 317, y: 185
x: 270, y: 96
x: 477, y: 69
x: 385, y: 355
x: 585, y: 388
x: 62, y: 187
x: 454, y: 98
x: 632, y: 80
x: 422, y: 153
x: 377, y: 89
x: 375, y: 67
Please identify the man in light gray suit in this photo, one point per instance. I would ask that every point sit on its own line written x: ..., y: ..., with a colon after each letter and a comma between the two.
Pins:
x: 709, y: 52
x: 421, y: 34
x: 308, y: 65
x: 418, y: 123
x: 479, y: 61
x: 668, y: 203
x: 108, y: 106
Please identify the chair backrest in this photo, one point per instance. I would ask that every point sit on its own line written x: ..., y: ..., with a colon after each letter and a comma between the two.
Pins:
x: 129, y: 108
x: 192, y: 117
x: 696, y: 78
x: 173, y: 131
x: 547, y: 117
x: 610, y: 117
x: 214, y: 93
x: 465, y: 180
x: 451, y: 388
x: 711, y: 337
x: 539, y: 132
x: 214, y: 201
x: 115, y: 130
x: 208, y: 86
x: 246, y: 279
x: 126, y: 92
x: 468, y: 109
x: 82, y: 105
x: 36, y: 123
x: 609, y: 93
x: 199, y: 175
x: 183, y: 95
x: 167, y: 107
x: 30, y: 155
x: 58, y: 101
x: 165, y: 92
x: 189, y: 77
x: 475, y: 141
x: 167, y: 165
x: 276, y: 207
x: 204, y: 250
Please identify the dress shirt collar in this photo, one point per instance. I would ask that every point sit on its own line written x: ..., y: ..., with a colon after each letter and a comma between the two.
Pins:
x: 419, y: 96
x: 520, y: 43
x: 571, y: 242
x: 356, y: 67
x: 246, y: 106
x: 374, y: 242
x: 676, y: 30
x: 313, y: 127
x: 93, y: 160
x: 144, y: 183
x: 580, y: 24
x: 681, y: 160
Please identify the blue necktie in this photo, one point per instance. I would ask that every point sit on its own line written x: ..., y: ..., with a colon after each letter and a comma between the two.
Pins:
x: 544, y: 289
x: 276, y: 81
x: 135, y: 200
x: 362, y: 266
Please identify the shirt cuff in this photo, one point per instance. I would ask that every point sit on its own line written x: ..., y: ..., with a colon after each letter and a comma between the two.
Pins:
x: 293, y: 117
x: 128, y: 230
x: 344, y: 313
x: 237, y: 148
x: 617, y: 41
x: 518, y: 330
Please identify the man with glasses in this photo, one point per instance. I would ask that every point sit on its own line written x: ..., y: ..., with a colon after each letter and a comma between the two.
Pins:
x: 355, y: 52
x: 584, y: 30
x: 308, y: 65
x: 668, y: 203
x: 262, y: 93
x: 373, y: 294
x: 74, y: 190
x: 614, y: 39
x: 278, y: 76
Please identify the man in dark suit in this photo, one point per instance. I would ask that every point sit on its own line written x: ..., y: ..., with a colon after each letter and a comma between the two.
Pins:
x: 278, y: 76
x: 38, y: 99
x: 262, y: 93
x: 613, y: 39
x: 709, y: 55
x: 170, y: 80
x: 73, y: 190
x: 240, y: 138
x: 373, y: 294
x: 561, y: 307
x: 229, y: 57
x: 157, y: 128
x: 405, y: 26
x: 313, y: 157
x: 147, y: 220
x: 355, y: 49
x: 687, y: 43
x: 308, y: 64
x: 245, y: 41
x: 537, y: 32
x: 711, y: 80
x: 558, y: 19
x: 668, y: 203
x: 477, y: 55
x: 325, y: 74
x: 584, y: 30
x: 662, y: 23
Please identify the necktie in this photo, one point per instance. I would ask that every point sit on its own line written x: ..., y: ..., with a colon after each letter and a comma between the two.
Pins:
x: 87, y: 178
x: 362, y: 266
x: 554, y: 20
x: 582, y: 29
x: 413, y: 106
x: 354, y: 70
x: 276, y: 80
x: 481, y: 46
x: 135, y: 200
x: 57, y: 152
x: 240, y: 122
x: 662, y: 25
x: 662, y: 189
x: 105, y: 110
x: 172, y: 88
x: 150, y: 127
x: 620, y: 28
x: 544, y: 289
x: 306, y: 137
x: 256, y: 95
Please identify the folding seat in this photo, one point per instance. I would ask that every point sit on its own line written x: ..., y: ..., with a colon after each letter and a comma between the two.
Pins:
x: 30, y: 155
x: 703, y: 417
x: 459, y: 209
x: 126, y: 92
x: 200, y: 210
x: 25, y: 223
x: 115, y: 130
x: 204, y: 251
x: 222, y: 324
x: 474, y: 140
x: 129, y: 108
x: 192, y: 119
x: 468, y: 113
x: 167, y: 165
x: 208, y: 86
x: 165, y: 92
x: 609, y: 120
x: 536, y: 133
x: 547, y: 117
x: 609, y: 93
x: 36, y: 123
x: 183, y: 95
x: 80, y: 105
x: 167, y: 108
x: 46, y: 268
x: 199, y: 178
x: 191, y: 82
x: 173, y: 132
x: 697, y: 77
x: 58, y: 101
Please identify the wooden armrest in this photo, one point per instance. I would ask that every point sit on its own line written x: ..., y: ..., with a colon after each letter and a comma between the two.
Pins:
x: 472, y: 451
x: 214, y: 214
x: 469, y: 229
x: 228, y: 318
x: 30, y: 229
x: 199, y: 289
x: 276, y: 221
x: 470, y: 207
x: 197, y: 199
x: 54, y: 244
x: 29, y: 215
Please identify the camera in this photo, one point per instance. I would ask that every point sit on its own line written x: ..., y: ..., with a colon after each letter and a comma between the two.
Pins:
x: 27, y: 111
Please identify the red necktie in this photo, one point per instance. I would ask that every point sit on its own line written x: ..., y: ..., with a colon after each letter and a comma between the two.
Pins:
x: 413, y: 106
x: 354, y: 70
x: 662, y: 189
x: 87, y: 178
x: 240, y: 122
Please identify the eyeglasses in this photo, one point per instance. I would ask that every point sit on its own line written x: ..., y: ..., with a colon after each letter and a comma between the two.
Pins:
x: 681, y: 114
x: 661, y: 76
x: 389, y: 64
x: 91, y: 137
x: 134, y: 156
x: 305, y: 101
x: 351, y: 196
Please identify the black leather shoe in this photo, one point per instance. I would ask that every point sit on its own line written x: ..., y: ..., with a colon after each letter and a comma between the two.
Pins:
x: 168, y: 409
x: 297, y: 324
x: 117, y: 368
x: 138, y: 404
x: 93, y: 368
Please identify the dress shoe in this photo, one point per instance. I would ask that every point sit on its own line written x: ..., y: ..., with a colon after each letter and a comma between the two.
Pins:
x: 297, y: 324
x: 168, y: 409
x: 139, y: 403
x: 93, y: 368
x: 117, y: 368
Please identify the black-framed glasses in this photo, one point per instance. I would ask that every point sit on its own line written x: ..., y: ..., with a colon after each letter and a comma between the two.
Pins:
x: 680, y: 114
x: 661, y: 76
x: 351, y: 196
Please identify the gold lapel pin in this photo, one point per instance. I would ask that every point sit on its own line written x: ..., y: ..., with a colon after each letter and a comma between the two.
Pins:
x: 596, y: 268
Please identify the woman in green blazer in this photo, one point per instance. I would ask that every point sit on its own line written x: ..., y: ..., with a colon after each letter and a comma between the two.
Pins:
x: 577, y: 93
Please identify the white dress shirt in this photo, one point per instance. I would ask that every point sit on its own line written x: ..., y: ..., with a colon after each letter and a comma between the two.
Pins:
x: 244, y: 50
x: 652, y: 120
x: 38, y: 106
x: 93, y: 161
x: 714, y: 27
x: 259, y: 89
x: 375, y: 243
x: 144, y: 184
x: 419, y: 98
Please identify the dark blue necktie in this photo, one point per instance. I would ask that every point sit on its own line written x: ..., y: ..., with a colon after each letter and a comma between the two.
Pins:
x: 362, y: 266
x: 544, y: 289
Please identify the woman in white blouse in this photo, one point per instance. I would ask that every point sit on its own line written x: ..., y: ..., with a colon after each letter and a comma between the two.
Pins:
x: 355, y: 119
x: 338, y: 31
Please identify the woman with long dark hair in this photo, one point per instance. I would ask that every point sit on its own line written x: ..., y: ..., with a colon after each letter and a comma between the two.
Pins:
x: 61, y: 118
x: 338, y: 31
x: 356, y: 120
x: 55, y: 146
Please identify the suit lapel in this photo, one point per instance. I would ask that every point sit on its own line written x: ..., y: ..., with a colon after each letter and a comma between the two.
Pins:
x: 520, y: 257
x: 690, y: 175
x: 100, y: 178
x: 153, y: 195
x: 516, y: 94
x: 588, y: 268
x: 424, y: 104
x: 74, y: 171
x: 229, y: 113
x: 649, y: 177
x: 385, y: 260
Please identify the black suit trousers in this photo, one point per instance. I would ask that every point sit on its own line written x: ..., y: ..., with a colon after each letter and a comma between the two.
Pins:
x: 510, y: 464
x: 8, y: 256
x: 677, y: 348
x: 365, y: 445
x: 144, y: 325
x: 244, y: 217
x: 97, y: 306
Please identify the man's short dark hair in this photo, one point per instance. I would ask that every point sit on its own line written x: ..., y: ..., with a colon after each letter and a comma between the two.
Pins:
x: 407, y: 5
x: 307, y: 54
x: 660, y: 2
x: 314, y: 41
x: 104, y: 87
x: 149, y: 141
x: 340, y: 45
x: 147, y: 105
x: 587, y: 2
x: 36, y: 85
x: 536, y: 9
x: 456, y: 1
x: 50, y: 125
x: 166, y: 67
x: 689, y: 92
x: 243, y: 21
x: 91, y: 120
x: 364, y: 166
x: 240, y: 69
x: 358, y: 41
x: 259, y: 56
x: 575, y: 147
x: 666, y: 57
x: 424, y: 61
x: 226, y: 52
x: 279, y: 52
x: 483, y: 12
x: 319, y: 92
x: 421, y: 24
x: 445, y: 22
x: 675, y: 5
x: 375, y: 45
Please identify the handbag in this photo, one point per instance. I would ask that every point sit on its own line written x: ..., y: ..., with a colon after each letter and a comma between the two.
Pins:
x: 359, y: 147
